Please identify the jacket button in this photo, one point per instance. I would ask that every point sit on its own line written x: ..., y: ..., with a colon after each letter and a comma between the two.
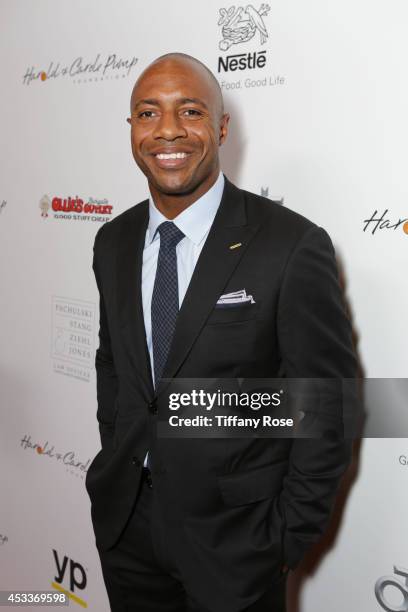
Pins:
x: 153, y: 407
x: 135, y: 461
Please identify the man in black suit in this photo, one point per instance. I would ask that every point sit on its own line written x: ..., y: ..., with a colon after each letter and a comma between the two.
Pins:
x: 205, y: 280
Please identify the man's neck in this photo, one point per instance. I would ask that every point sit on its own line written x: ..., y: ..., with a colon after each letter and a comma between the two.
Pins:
x: 171, y: 205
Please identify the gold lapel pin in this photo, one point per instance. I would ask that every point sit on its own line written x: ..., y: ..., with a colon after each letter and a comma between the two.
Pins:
x: 235, y: 246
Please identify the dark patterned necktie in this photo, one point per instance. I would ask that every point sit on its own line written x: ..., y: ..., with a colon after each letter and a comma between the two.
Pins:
x: 165, y: 298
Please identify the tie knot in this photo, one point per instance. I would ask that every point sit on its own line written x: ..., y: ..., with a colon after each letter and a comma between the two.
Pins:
x: 170, y: 235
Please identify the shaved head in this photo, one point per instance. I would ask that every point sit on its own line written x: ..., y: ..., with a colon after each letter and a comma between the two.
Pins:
x: 195, y: 65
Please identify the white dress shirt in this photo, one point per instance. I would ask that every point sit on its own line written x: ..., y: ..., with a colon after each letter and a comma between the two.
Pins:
x: 195, y: 223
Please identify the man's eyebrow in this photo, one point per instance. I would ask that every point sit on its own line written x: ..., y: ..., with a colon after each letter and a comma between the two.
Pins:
x: 150, y: 101
x: 155, y: 102
x: 192, y: 101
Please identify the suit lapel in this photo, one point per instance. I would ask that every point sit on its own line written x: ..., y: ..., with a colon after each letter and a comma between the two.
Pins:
x: 214, y: 267
x: 212, y: 272
x: 129, y: 292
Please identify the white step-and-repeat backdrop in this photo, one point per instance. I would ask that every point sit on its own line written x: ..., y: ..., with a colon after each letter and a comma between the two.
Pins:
x: 318, y: 96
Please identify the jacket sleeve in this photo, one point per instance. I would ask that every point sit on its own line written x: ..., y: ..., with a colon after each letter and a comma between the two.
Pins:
x: 315, y: 340
x: 106, y: 377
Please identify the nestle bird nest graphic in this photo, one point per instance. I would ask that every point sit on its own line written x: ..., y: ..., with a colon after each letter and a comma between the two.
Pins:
x: 239, y: 25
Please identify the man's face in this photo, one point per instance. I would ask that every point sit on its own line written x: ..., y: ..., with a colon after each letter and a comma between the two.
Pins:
x: 177, y: 127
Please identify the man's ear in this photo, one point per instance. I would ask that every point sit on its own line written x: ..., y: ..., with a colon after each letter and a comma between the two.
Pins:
x: 223, y: 128
x: 128, y: 119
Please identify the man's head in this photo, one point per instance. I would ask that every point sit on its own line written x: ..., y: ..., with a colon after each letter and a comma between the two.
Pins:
x: 178, y: 123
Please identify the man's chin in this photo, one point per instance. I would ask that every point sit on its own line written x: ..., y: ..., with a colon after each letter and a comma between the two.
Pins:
x: 175, y: 186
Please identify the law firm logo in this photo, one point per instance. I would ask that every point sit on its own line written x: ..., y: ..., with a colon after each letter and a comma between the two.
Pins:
x: 73, y: 333
x: 239, y: 26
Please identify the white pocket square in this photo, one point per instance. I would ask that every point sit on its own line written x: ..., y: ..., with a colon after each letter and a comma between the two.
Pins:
x: 236, y: 297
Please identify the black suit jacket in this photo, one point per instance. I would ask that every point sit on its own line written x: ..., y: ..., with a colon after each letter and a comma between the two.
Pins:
x: 236, y: 509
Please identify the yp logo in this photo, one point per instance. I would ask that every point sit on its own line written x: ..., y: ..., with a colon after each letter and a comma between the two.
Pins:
x: 73, y: 574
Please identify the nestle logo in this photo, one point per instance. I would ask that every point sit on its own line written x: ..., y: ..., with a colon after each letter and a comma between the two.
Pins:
x: 242, y: 61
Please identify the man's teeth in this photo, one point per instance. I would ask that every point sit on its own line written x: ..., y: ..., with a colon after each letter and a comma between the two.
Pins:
x: 171, y: 155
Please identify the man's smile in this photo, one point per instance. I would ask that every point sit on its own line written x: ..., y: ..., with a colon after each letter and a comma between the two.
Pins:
x: 168, y: 158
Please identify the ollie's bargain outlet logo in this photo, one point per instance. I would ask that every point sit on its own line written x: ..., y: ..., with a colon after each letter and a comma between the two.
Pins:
x: 75, y: 208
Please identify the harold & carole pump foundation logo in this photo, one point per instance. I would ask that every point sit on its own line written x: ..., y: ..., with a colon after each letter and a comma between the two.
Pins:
x: 377, y: 222
x: 79, y: 70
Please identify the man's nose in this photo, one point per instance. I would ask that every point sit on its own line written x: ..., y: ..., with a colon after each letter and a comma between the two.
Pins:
x: 169, y: 127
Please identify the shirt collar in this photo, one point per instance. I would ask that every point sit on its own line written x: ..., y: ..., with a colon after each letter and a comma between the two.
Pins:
x: 195, y: 220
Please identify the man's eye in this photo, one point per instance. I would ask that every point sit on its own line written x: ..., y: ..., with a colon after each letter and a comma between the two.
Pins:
x: 146, y: 114
x: 192, y: 112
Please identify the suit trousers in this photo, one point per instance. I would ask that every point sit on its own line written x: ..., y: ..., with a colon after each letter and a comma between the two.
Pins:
x: 141, y: 576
